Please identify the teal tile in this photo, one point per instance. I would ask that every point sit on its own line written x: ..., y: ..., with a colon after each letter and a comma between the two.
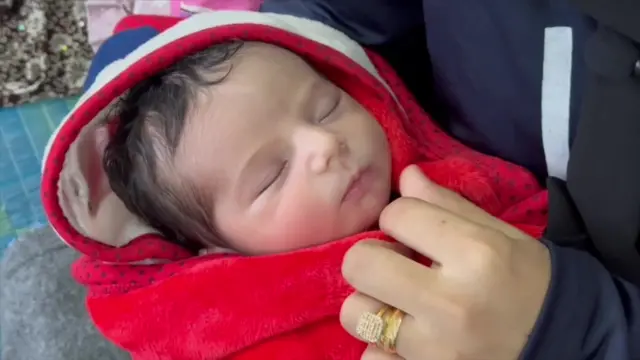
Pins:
x: 24, y: 133
x: 6, y: 230
x: 38, y: 128
x: 56, y: 110
x: 5, y: 241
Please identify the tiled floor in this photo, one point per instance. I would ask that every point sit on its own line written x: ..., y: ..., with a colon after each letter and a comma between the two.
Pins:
x: 24, y: 132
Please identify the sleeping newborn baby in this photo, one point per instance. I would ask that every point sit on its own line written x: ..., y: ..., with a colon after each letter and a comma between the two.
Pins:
x: 271, y: 156
x: 245, y: 147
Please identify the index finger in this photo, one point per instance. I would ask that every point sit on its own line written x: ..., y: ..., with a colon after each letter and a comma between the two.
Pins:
x: 384, y: 274
x: 431, y: 230
x: 413, y: 183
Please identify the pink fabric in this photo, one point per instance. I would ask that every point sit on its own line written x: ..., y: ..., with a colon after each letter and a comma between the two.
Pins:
x: 184, y: 8
x: 103, y: 15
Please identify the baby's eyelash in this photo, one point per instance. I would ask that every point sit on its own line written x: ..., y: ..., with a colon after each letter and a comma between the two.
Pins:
x: 274, y: 178
x: 333, y: 108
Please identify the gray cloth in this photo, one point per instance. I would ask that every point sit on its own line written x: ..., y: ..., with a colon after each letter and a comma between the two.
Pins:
x: 43, y: 315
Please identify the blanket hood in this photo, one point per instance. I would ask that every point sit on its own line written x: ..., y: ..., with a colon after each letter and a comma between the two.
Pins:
x: 76, y: 195
x: 156, y: 299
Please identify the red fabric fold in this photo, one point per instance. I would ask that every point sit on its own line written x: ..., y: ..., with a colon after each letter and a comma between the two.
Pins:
x: 273, y: 307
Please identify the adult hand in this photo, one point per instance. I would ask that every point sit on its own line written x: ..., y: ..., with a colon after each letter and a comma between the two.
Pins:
x: 479, y: 300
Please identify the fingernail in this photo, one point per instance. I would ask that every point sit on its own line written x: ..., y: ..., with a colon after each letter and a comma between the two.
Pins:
x: 414, y: 170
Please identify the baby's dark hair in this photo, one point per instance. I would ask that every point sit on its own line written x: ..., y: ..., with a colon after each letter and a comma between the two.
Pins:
x: 151, y: 119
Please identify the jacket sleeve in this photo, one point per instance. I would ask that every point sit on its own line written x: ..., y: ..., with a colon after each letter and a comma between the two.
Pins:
x: 588, y: 313
x: 373, y: 22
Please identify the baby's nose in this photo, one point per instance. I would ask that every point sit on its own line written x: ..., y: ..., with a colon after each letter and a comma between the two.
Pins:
x: 323, y: 149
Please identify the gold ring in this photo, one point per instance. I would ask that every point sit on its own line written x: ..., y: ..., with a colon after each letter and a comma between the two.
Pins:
x: 381, y: 328
x: 371, y: 326
x: 393, y: 321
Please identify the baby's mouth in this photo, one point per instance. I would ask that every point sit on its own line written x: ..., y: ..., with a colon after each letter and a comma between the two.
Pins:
x: 358, y: 186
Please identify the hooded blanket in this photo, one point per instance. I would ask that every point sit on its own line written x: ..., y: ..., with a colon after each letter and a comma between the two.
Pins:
x: 156, y: 299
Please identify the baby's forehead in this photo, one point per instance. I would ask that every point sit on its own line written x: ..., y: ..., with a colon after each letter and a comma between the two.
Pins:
x: 261, y: 80
x: 258, y: 60
x: 265, y: 84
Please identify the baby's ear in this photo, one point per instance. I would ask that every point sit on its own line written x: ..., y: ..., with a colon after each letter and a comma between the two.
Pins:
x: 90, y: 159
x: 86, y: 196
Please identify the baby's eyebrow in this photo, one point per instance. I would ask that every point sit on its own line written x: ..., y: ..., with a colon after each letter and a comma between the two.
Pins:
x: 312, y: 90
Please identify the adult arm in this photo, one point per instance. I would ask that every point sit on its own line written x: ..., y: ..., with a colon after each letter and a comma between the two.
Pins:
x: 588, y: 313
x: 375, y: 22
x: 591, y: 312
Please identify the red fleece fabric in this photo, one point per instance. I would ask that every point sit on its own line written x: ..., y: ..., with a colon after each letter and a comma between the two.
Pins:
x: 157, y: 22
x: 284, y: 306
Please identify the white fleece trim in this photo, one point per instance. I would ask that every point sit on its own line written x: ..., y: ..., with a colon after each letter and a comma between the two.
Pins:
x: 556, y: 98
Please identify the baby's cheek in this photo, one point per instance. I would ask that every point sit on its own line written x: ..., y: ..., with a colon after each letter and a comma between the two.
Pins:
x: 305, y: 220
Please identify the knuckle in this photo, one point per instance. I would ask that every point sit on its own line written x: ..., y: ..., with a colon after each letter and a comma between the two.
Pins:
x: 482, y: 255
x: 449, y: 353
x: 357, y: 259
x: 425, y: 298
x: 397, y: 209
x: 346, y: 313
x: 432, y: 193
x: 458, y: 316
x: 468, y: 320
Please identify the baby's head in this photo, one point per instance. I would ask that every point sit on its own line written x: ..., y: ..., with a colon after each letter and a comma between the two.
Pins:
x: 247, y: 147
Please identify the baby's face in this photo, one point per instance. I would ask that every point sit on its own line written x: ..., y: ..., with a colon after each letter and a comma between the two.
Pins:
x: 289, y: 159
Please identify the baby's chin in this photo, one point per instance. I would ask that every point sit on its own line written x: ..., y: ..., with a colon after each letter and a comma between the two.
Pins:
x: 305, y: 240
x: 318, y: 230
x: 363, y: 225
x: 365, y: 216
x: 346, y: 223
x: 358, y: 222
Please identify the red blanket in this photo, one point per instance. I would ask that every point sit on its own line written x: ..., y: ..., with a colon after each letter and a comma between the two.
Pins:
x: 286, y: 306
x: 275, y: 307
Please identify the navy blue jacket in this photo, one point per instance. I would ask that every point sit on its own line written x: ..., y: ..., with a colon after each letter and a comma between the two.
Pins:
x: 528, y: 81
